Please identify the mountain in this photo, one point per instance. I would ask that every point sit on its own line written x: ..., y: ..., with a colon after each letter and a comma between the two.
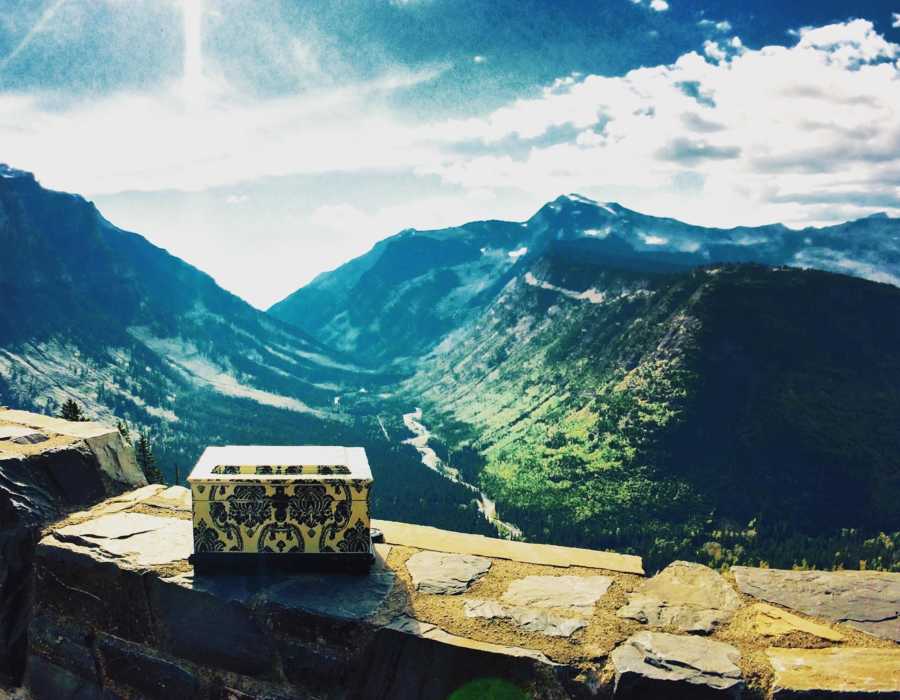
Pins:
x: 619, y: 380
x: 727, y: 413
x: 406, y: 294
x: 100, y: 315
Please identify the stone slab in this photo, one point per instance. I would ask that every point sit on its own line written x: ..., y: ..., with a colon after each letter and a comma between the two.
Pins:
x: 445, y: 574
x: 336, y: 596
x: 21, y: 435
x: 865, y: 600
x: 769, y: 621
x: 579, y: 593
x: 660, y: 665
x: 835, y: 673
x: 137, y: 539
x: 81, y: 429
x: 176, y: 498
x: 529, y: 619
x: 424, y: 537
x: 689, y: 597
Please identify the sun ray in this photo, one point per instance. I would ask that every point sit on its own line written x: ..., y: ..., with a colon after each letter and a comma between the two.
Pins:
x: 42, y: 22
x: 193, y: 50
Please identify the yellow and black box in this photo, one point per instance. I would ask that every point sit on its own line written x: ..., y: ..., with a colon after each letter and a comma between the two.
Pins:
x: 284, y: 508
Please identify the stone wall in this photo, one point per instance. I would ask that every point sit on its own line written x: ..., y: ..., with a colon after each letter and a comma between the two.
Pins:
x: 48, y: 467
x: 120, y: 613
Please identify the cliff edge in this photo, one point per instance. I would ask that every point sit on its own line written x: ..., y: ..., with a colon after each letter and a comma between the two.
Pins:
x: 48, y: 467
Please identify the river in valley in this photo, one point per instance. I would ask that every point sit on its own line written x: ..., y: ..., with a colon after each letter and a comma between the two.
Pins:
x: 487, y: 507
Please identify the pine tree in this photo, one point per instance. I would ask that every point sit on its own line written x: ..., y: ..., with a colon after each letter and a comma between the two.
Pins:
x: 124, y: 430
x: 146, y: 459
x: 72, y: 411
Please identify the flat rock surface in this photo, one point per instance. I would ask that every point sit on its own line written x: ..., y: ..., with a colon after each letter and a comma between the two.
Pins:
x: 21, y: 435
x: 138, y: 539
x: 837, y: 672
x: 647, y: 662
x: 448, y: 574
x: 866, y: 600
x: 529, y: 619
x: 431, y: 538
x: 689, y: 597
x: 578, y: 593
x: 769, y: 621
x: 342, y: 597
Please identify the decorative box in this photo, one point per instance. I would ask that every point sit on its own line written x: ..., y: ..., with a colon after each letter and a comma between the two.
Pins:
x: 282, y: 507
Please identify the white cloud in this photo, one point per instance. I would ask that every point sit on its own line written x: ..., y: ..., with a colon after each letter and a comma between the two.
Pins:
x: 479, y: 59
x: 723, y: 26
x: 713, y: 50
x: 659, y: 5
x: 756, y: 130
x: 896, y: 18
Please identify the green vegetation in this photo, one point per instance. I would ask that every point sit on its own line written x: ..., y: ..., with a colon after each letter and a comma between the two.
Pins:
x: 147, y: 460
x: 72, y: 411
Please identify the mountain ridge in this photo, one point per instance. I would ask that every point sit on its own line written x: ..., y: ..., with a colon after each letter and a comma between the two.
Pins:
x: 351, y: 306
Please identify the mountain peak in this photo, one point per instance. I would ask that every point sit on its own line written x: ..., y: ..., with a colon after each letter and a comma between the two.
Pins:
x: 10, y: 173
x: 575, y: 197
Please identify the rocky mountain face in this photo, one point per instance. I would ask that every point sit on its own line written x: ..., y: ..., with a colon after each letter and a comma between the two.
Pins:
x: 412, y: 289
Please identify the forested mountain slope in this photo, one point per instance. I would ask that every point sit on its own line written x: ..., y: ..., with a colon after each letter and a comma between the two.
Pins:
x: 725, y: 413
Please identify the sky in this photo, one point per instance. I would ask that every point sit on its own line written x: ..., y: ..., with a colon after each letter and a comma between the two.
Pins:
x: 266, y: 141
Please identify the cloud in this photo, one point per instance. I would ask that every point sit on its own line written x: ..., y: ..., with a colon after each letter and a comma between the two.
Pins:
x: 756, y: 127
x: 713, y: 50
x: 693, y: 151
x: 723, y: 26
x: 655, y: 5
x: 479, y: 59
x: 896, y: 18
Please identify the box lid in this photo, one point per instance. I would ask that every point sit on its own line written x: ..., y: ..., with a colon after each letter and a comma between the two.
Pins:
x: 262, y: 463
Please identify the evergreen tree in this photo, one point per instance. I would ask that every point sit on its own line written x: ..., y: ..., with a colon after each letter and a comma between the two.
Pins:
x: 72, y: 411
x: 124, y: 430
x: 147, y: 460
